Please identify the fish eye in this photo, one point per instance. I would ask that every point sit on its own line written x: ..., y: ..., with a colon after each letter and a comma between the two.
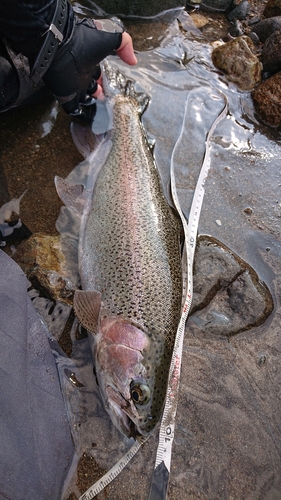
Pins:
x: 140, y: 393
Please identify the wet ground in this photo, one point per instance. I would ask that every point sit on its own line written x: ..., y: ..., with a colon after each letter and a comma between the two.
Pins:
x: 228, y: 441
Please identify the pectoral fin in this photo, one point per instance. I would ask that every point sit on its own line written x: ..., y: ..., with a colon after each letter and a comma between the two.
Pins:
x: 87, y: 306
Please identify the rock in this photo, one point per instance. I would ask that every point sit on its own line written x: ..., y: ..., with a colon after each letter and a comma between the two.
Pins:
x: 42, y: 261
x: 236, y: 29
x: 228, y: 295
x: 267, y: 100
x: 272, y: 8
x: 254, y: 20
x: 237, y: 60
x: 248, y: 211
x: 240, y: 12
x: 267, y: 27
x: 211, y: 5
x: 254, y: 37
x: 139, y: 8
x: 271, y: 53
x: 199, y: 20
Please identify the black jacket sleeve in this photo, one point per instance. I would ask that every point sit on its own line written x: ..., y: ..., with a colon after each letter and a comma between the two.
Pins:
x: 74, y: 69
x: 23, y: 23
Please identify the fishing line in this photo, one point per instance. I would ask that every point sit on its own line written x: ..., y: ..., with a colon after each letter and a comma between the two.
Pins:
x: 161, y: 472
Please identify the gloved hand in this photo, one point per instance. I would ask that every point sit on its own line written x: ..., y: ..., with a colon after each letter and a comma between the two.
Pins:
x: 74, y: 75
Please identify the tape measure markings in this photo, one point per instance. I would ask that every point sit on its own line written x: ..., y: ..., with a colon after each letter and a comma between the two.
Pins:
x: 113, y: 472
x: 166, y: 434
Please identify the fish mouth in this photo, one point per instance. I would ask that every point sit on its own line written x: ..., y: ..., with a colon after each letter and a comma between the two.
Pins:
x: 121, y: 412
x: 129, y: 426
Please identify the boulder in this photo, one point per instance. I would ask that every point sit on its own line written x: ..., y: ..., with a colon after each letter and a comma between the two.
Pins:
x: 267, y: 27
x: 237, y: 60
x: 272, y: 8
x: 271, y: 53
x: 267, y: 100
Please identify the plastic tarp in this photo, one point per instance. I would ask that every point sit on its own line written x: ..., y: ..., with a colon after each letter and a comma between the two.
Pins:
x: 36, y: 446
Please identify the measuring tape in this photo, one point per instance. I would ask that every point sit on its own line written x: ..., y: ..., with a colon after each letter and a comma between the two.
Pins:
x: 161, y: 473
x: 112, y: 473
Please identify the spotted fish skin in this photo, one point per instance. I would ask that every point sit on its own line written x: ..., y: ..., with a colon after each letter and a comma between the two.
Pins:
x: 130, y: 254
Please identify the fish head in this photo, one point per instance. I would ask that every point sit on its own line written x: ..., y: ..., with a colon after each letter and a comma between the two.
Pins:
x: 127, y: 376
x: 131, y: 365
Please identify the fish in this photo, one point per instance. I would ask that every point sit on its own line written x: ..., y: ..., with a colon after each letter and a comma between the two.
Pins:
x: 130, y: 266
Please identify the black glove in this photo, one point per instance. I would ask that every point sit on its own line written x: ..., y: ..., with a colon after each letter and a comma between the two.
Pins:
x: 73, y: 74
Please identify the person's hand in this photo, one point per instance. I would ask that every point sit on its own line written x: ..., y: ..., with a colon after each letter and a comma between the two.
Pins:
x: 126, y: 50
x: 74, y: 76
x: 126, y: 53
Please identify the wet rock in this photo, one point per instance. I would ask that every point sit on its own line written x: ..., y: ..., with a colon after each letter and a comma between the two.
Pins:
x: 267, y: 100
x: 228, y: 295
x: 254, y: 20
x: 131, y: 7
x: 237, y: 60
x: 212, y: 5
x: 272, y: 8
x: 267, y: 27
x: 236, y: 29
x: 42, y: 261
x: 271, y: 53
x: 199, y: 20
x: 240, y: 12
x: 254, y: 37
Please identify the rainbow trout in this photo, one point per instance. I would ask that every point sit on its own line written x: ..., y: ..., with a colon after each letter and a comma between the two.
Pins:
x: 130, y: 269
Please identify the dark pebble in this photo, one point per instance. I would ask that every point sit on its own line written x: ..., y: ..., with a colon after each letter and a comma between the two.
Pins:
x: 254, y: 37
x: 236, y: 29
x: 265, y: 28
x: 261, y: 360
x: 248, y: 211
x: 240, y: 12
